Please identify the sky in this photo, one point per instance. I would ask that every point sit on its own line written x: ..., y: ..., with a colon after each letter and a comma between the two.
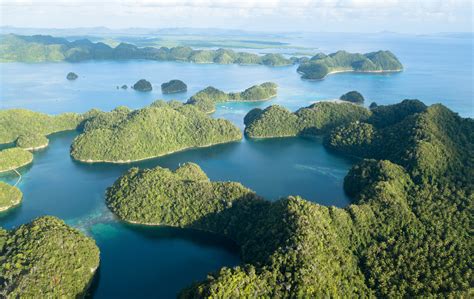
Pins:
x: 407, y: 16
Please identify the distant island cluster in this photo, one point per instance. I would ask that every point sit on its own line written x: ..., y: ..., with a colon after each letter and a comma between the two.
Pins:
x: 40, y: 48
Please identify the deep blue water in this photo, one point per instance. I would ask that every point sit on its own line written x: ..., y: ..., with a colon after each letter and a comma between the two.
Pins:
x: 158, y: 262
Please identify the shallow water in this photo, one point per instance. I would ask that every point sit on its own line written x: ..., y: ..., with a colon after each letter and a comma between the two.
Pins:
x: 158, y: 262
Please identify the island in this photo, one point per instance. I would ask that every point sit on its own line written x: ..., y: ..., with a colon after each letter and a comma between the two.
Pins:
x: 353, y: 97
x: 318, y: 118
x: 321, y: 65
x: 72, y: 76
x: 124, y: 86
x: 10, y: 196
x: 142, y: 85
x: 173, y: 86
x: 21, y: 122
x: 123, y: 136
x: 411, y: 194
x: 32, y: 142
x: 41, y: 48
x: 13, y: 158
x: 208, y: 97
x: 46, y: 258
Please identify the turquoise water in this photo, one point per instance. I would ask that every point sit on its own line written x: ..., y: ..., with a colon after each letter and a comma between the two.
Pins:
x: 158, y: 262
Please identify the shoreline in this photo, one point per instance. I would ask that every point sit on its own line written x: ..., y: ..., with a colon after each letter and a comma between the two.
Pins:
x: 151, y: 157
x: 35, y: 148
x: 351, y: 71
x: 16, y: 167
x: 14, y: 204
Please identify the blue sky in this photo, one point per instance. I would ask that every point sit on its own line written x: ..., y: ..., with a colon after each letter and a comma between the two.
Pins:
x: 412, y: 16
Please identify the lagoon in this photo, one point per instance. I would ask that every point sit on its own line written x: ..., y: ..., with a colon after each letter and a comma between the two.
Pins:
x: 158, y: 262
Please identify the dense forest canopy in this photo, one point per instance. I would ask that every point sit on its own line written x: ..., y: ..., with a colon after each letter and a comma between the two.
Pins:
x: 9, y: 196
x: 40, y: 48
x: 277, y: 121
x: 320, y: 65
x: 406, y: 234
x: 206, y: 99
x: 20, y: 122
x: 123, y: 135
x: 46, y: 258
x: 13, y: 158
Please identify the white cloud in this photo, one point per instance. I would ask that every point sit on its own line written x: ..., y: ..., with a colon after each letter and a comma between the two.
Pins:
x: 390, y: 14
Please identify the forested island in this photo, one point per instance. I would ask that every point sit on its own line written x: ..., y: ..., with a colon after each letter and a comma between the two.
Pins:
x: 319, y: 118
x: 173, y: 86
x: 206, y: 99
x: 13, y: 158
x: 10, y: 196
x: 142, y: 85
x: 123, y: 135
x: 406, y: 234
x: 32, y: 141
x: 41, y: 48
x: 46, y: 258
x: 320, y: 65
x: 353, y: 97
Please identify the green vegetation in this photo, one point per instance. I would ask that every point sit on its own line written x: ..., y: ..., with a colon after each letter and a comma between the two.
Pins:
x: 32, y: 141
x: 46, y: 258
x: 208, y: 97
x: 10, y: 196
x: 142, y: 85
x: 13, y: 158
x: 122, y: 135
x: 173, y: 86
x: 17, y: 122
x: 320, y: 65
x: 39, y: 48
x: 353, y: 97
x: 319, y: 118
x: 407, y: 233
x: 72, y: 76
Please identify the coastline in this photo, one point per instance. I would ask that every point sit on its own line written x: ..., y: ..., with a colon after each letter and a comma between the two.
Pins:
x: 35, y: 148
x: 351, y: 71
x: 16, y: 167
x: 89, y: 161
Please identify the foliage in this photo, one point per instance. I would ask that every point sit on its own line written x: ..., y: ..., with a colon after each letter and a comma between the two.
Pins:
x: 9, y: 196
x: 205, y: 99
x: 122, y: 135
x: 319, y: 118
x: 173, y: 86
x: 407, y: 233
x: 31, y: 141
x: 320, y: 65
x: 142, y: 85
x: 46, y: 258
x: 17, y: 122
x: 353, y: 97
x: 39, y: 48
x: 12, y: 158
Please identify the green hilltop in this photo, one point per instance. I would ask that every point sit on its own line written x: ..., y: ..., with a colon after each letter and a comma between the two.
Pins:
x: 122, y: 135
x: 46, y: 258
x: 410, y: 200
x: 320, y: 65
x: 206, y: 99
x: 10, y: 196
